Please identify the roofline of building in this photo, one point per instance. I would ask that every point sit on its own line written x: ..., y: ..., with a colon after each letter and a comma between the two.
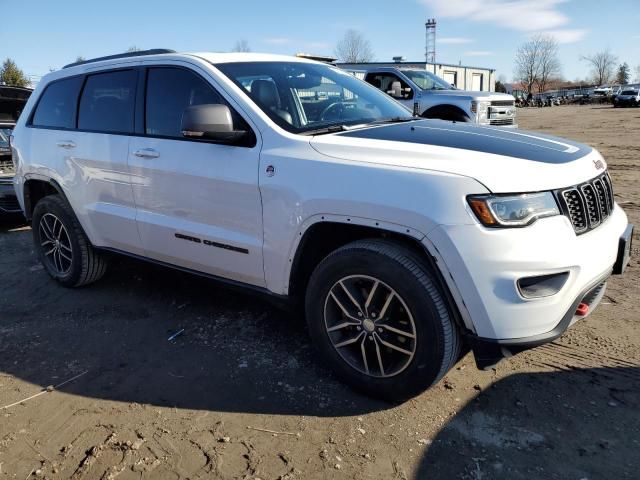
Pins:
x: 391, y: 63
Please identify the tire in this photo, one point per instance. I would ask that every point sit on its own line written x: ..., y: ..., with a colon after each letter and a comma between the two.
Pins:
x: 417, y: 307
x: 75, y: 262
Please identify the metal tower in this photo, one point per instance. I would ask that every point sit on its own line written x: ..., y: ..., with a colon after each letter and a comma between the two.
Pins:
x: 430, y: 40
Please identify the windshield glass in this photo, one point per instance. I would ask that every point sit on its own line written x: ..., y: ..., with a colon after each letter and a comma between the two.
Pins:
x: 4, y: 136
x: 301, y: 97
x: 427, y: 80
x: 629, y: 92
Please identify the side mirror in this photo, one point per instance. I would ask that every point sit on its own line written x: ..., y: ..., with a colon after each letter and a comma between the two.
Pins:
x: 397, y: 91
x: 212, y: 122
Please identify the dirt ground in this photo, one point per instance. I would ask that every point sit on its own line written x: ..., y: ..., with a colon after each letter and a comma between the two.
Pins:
x: 240, y: 395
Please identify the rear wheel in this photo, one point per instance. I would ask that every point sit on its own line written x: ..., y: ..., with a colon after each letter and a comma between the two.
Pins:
x: 63, y: 248
x: 378, y: 319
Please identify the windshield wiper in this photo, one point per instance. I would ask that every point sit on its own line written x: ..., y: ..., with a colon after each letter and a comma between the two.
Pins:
x: 394, y: 120
x: 325, y: 130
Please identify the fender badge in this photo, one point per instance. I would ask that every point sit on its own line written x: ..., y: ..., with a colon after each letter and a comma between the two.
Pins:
x: 270, y: 171
x: 598, y: 164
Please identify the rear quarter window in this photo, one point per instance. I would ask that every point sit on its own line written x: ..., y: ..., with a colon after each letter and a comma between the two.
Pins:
x: 57, y: 105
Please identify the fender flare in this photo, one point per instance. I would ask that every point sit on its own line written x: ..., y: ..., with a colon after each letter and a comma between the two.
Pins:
x: 26, y: 193
x: 294, y: 250
x: 436, y: 260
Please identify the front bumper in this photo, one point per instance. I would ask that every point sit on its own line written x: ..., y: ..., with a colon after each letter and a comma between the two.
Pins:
x: 8, y: 199
x: 488, y: 352
x: 484, y: 266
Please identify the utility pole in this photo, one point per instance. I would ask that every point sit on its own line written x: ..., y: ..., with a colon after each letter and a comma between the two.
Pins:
x: 430, y: 41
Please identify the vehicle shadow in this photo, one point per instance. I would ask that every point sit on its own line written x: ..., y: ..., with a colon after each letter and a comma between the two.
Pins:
x: 572, y: 424
x: 12, y: 222
x: 234, y: 351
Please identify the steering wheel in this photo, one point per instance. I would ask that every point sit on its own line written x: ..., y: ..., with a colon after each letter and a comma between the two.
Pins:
x: 333, y: 111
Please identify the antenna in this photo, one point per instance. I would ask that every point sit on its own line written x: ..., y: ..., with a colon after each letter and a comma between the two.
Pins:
x: 430, y: 40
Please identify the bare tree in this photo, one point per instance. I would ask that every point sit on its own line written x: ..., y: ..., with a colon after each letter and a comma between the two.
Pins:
x: 537, y: 62
x: 548, y: 63
x: 241, y: 46
x: 603, y: 64
x: 527, y: 66
x: 354, y: 48
x: 638, y: 73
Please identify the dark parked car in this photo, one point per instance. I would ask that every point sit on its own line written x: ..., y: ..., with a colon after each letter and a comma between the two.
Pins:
x: 628, y: 98
x: 12, y: 101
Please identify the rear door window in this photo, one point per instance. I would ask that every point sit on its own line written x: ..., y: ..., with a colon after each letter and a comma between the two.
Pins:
x: 108, y: 102
x: 57, y: 105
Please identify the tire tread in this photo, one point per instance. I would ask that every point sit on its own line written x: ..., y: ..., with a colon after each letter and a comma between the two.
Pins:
x: 93, y: 265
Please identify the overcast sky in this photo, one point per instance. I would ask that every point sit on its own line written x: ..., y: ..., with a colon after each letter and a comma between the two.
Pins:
x: 44, y: 34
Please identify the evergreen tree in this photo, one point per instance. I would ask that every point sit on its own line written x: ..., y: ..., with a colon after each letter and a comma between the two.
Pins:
x: 11, y: 75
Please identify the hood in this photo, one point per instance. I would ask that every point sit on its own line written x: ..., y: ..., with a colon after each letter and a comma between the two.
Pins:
x: 504, y: 160
x: 466, y: 93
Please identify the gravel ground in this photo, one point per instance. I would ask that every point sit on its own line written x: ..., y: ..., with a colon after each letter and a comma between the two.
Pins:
x: 240, y: 395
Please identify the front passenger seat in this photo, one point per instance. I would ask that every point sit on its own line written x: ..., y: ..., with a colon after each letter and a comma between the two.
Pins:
x: 266, y: 92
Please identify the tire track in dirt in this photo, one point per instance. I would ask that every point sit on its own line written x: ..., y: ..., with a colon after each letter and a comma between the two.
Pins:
x: 564, y: 357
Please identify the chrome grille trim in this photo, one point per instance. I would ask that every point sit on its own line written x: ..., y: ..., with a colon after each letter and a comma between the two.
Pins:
x: 587, y: 205
x: 502, y: 121
x: 502, y: 103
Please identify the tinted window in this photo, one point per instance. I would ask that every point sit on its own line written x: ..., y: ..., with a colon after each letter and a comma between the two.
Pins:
x: 57, y: 105
x: 169, y: 92
x: 107, y: 103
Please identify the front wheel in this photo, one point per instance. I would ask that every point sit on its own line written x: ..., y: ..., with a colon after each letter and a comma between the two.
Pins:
x: 378, y: 319
x: 62, y: 246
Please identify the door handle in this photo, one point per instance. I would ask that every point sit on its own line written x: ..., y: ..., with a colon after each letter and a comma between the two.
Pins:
x: 146, y: 153
x: 66, y: 144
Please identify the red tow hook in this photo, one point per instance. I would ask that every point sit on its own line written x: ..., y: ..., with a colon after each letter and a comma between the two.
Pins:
x: 582, y: 310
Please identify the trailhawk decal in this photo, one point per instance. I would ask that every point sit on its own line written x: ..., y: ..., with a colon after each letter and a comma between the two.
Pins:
x: 211, y: 243
x: 498, y: 141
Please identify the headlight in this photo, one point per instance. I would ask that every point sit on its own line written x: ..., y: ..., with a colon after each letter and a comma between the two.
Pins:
x: 481, y: 109
x: 513, y: 210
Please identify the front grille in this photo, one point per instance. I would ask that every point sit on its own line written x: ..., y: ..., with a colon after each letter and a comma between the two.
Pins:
x: 501, y: 121
x: 587, y: 205
x: 502, y: 103
x: 6, y: 166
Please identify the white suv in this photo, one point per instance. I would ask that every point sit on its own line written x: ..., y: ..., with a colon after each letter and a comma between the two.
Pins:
x: 407, y: 240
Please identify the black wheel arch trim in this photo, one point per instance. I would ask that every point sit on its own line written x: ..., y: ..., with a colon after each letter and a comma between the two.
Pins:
x: 410, y: 237
x: 26, y: 194
x: 446, y: 108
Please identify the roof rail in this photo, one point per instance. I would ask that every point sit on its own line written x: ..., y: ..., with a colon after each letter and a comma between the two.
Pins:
x: 139, y: 53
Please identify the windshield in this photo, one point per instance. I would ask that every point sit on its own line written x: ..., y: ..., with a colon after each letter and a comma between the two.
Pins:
x: 302, y: 97
x: 427, y: 80
x: 5, y: 132
x: 629, y: 92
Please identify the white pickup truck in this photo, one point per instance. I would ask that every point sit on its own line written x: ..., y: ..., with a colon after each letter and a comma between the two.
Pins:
x: 407, y: 241
x: 429, y: 96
